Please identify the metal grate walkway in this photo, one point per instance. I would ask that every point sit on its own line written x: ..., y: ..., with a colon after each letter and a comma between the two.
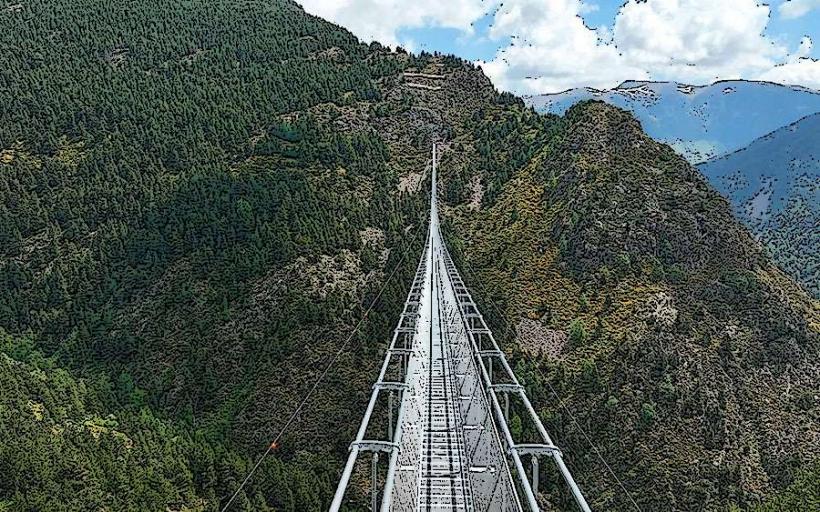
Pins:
x: 443, y: 484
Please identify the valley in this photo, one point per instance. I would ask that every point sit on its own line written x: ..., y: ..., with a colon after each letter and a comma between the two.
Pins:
x: 200, y: 200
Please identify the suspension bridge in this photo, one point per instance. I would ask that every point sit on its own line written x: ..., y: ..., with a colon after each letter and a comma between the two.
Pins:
x: 437, y: 430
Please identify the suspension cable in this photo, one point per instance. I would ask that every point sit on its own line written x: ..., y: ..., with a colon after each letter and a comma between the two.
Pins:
x: 322, y: 375
x: 508, y: 325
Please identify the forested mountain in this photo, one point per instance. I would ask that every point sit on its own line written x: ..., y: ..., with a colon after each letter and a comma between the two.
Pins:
x: 774, y: 185
x: 626, y: 290
x: 199, y: 199
x: 194, y: 208
x: 755, y: 142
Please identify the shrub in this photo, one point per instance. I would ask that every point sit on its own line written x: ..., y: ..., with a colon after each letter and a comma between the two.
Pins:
x: 583, y: 301
x: 577, y: 332
x: 648, y: 413
x: 612, y: 403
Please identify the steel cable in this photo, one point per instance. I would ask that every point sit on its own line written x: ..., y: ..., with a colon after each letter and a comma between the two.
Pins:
x: 321, y: 377
x: 508, y: 328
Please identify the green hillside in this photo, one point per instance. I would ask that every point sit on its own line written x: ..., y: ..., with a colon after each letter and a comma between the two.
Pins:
x: 621, y: 281
x: 199, y: 199
x: 183, y: 228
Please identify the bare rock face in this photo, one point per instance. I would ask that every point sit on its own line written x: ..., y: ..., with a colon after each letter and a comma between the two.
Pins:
x: 372, y: 237
x: 476, y: 193
x: 341, y: 272
x: 411, y: 182
x: 660, y: 310
x: 537, y: 340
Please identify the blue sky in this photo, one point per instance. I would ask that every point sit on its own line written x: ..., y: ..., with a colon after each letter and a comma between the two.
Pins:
x: 536, y: 46
x: 479, y: 47
x: 793, y: 29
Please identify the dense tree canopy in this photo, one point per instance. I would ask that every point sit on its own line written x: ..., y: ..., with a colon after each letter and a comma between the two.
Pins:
x: 168, y: 196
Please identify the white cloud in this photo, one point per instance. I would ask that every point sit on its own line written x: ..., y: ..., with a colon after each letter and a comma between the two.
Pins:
x: 797, y: 8
x: 804, y: 50
x: 805, y: 72
x: 696, y: 40
x: 380, y: 20
x: 690, y: 41
x: 553, y: 49
x: 588, y: 7
x: 799, y: 69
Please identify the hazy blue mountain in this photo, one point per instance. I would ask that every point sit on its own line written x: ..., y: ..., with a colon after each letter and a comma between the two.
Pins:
x: 774, y: 185
x: 700, y: 122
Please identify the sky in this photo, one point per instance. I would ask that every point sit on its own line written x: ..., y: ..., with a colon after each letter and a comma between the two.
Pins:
x: 548, y: 46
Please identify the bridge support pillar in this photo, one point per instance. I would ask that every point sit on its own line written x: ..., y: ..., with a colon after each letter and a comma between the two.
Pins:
x: 390, y: 415
x: 535, y: 474
x: 374, y: 490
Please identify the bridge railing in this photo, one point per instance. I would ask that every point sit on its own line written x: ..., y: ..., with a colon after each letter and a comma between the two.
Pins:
x: 502, y: 385
x: 484, y: 381
x: 396, y: 365
x: 489, y: 474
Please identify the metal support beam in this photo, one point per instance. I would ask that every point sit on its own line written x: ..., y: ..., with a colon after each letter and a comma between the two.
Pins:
x: 374, y: 446
x: 374, y: 500
x: 535, y: 474
x: 536, y: 449
x: 391, y: 386
x: 390, y: 414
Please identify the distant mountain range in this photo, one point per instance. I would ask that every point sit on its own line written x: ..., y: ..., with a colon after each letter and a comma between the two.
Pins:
x: 699, y: 122
x: 774, y: 184
x: 756, y: 142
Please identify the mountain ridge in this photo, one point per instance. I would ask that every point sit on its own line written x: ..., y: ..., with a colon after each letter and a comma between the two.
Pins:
x: 701, y: 122
x: 627, y: 286
x: 195, y: 290
x: 772, y: 185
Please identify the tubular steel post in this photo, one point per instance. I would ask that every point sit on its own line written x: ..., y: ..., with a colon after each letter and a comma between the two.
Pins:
x: 390, y: 415
x: 506, y: 406
x: 535, y: 474
x: 374, y: 473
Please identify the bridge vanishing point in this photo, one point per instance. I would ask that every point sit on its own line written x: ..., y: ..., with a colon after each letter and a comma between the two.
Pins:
x: 447, y: 390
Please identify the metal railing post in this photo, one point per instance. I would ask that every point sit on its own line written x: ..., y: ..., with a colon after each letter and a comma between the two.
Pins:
x: 506, y: 406
x: 535, y: 474
x: 390, y: 415
x: 373, y: 488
